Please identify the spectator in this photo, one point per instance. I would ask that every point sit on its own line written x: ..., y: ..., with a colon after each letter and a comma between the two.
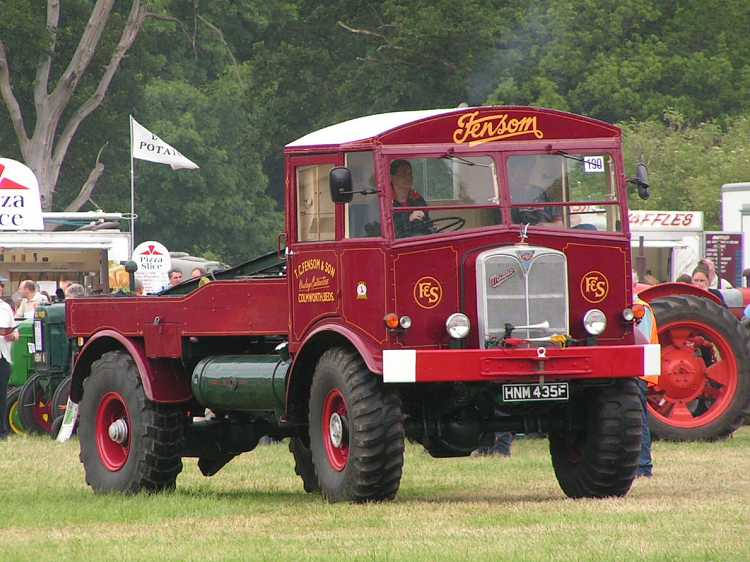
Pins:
x: 75, y: 290
x: 714, y: 281
x: 175, y: 277
x: 59, y: 294
x: 197, y: 272
x: 501, y: 447
x: 31, y: 299
x: 8, y: 334
x: 650, y: 279
x: 139, y: 291
x: 647, y: 328
x: 700, y: 277
x: 684, y: 278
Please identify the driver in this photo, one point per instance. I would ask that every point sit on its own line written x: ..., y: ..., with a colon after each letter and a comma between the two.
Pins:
x: 416, y: 222
x: 533, y: 184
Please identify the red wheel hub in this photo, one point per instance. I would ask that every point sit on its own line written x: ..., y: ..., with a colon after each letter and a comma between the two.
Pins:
x: 699, y: 375
x: 42, y: 413
x: 683, y: 373
x: 335, y: 429
x: 112, y: 431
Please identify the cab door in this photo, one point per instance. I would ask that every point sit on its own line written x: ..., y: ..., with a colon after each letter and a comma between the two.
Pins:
x: 313, y: 261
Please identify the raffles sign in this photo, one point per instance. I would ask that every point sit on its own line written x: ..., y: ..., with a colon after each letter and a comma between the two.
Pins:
x: 20, y: 207
x: 666, y: 220
x: 154, y: 264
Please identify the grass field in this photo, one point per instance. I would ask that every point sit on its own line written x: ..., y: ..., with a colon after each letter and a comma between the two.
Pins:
x: 697, y: 507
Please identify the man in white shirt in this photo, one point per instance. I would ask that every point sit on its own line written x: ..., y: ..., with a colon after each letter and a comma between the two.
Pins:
x: 8, y: 334
x: 31, y: 299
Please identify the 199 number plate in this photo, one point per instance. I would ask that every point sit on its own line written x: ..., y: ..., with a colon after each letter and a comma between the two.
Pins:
x: 535, y: 392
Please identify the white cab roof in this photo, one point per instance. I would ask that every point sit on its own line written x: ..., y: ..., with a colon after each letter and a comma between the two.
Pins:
x: 364, y: 128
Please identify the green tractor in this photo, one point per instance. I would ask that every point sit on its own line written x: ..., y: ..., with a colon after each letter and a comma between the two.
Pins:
x: 39, y: 383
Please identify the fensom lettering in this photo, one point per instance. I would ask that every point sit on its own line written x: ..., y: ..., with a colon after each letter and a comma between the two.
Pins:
x: 314, y: 264
x: 479, y: 130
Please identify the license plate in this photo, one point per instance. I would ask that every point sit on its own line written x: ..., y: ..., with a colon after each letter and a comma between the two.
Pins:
x: 535, y: 392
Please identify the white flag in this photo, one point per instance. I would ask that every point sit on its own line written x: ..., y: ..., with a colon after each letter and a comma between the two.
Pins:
x: 147, y: 146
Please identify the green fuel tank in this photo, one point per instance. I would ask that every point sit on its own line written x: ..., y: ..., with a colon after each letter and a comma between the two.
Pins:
x: 241, y: 383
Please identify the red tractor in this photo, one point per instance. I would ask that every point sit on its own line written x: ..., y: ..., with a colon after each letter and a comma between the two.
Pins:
x: 447, y: 275
x: 703, y: 393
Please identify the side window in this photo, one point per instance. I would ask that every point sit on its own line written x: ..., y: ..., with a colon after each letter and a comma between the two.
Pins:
x: 315, y: 209
x: 363, y: 213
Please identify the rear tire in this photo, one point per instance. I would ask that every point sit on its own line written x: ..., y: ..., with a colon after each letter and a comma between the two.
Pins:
x: 34, y: 404
x: 704, y: 388
x: 600, y: 459
x: 142, y: 451
x: 60, y: 401
x: 356, y: 431
x: 303, y: 463
x: 13, y: 418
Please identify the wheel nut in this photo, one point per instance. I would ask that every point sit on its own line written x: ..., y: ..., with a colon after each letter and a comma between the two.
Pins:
x: 118, y: 431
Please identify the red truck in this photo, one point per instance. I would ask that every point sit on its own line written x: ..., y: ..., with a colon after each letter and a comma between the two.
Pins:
x: 446, y: 275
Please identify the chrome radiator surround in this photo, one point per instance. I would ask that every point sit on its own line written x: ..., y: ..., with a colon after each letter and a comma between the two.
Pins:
x: 521, y: 285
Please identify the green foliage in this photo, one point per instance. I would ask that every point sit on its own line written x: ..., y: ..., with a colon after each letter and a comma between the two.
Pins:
x: 230, y: 83
x: 689, y: 164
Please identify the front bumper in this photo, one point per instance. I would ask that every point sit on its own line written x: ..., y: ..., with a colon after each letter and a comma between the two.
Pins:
x: 572, y: 363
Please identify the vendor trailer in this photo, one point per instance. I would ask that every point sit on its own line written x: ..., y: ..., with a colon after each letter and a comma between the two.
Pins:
x: 446, y: 275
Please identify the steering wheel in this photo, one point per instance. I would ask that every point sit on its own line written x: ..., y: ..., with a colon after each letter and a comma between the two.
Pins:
x: 451, y: 224
x: 530, y: 215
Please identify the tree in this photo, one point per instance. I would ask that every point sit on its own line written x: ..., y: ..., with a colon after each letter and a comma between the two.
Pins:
x: 689, y: 164
x: 628, y: 59
x: 45, y: 139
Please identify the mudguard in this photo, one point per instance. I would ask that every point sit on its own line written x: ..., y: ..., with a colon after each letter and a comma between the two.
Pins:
x: 163, y: 379
x: 325, y: 336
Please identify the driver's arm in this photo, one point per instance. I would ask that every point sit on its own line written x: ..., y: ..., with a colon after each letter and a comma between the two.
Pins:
x: 418, y: 201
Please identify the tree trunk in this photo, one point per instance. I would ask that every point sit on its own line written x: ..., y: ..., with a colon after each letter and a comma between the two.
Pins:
x: 44, y: 152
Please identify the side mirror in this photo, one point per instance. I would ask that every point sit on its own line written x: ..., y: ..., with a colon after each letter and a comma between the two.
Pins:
x: 641, y: 181
x: 340, y: 182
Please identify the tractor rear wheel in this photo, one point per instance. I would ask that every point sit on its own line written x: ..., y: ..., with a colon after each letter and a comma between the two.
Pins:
x: 34, y: 404
x: 356, y: 430
x: 703, y: 392
x: 60, y: 400
x: 599, y: 458
x: 128, y: 443
x: 13, y: 418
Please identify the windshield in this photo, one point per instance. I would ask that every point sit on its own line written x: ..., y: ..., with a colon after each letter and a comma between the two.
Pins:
x: 442, y: 193
x: 565, y: 190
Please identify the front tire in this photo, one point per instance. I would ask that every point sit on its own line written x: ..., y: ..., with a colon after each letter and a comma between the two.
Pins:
x: 128, y: 443
x: 356, y: 431
x: 600, y: 458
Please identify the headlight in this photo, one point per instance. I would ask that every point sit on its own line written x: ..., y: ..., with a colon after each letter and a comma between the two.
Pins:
x: 405, y: 322
x: 458, y: 325
x: 595, y: 322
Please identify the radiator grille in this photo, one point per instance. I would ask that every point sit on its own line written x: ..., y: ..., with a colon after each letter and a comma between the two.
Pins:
x: 521, y: 285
